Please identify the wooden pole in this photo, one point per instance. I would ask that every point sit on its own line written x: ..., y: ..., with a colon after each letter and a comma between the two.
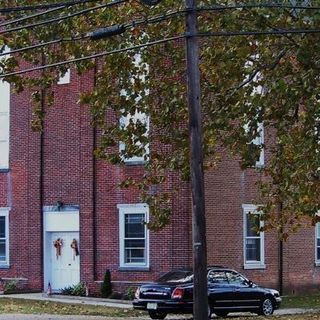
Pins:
x: 200, y: 293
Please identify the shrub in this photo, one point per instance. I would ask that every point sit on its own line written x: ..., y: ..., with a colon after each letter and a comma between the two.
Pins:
x: 76, y: 290
x: 106, y: 286
x: 129, y: 295
x: 10, y: 286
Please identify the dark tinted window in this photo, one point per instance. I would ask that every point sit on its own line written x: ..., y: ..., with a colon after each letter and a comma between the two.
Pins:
x: 217, y: 277
x: 236, y: 278
x: 177, y: 276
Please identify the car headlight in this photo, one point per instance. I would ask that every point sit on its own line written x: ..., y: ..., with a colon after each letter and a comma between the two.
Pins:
x: 137, y: 293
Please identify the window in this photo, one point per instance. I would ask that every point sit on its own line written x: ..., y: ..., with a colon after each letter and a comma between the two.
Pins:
x: 65, y: 79
x: 138, y: 119
x: 217, y: 277
x: 318, y: 243
x: 4, y: 121
x: 257, y: 142
x: 253, y: 239
x: 4, y: 237
x: 134, y: 235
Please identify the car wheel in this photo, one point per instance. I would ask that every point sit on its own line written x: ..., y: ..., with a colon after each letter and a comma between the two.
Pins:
x: 267, y: 307
x: 209, y: 311
x: 157, y: 315
x: 221, y: 314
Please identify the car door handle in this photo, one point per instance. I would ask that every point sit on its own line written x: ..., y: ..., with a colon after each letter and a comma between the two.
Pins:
x: 236, y: 290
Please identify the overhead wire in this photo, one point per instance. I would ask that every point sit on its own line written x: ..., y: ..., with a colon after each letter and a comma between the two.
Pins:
x: 151, y: 43
x: 154, y: 19
x: 216, y: 7
x: 44, y: 6
x: 71, y: 15
x: 115, y: 2
x: 97, y: 55
x: 163, y: 17
x: 40, y: 45
x: 35, y: 15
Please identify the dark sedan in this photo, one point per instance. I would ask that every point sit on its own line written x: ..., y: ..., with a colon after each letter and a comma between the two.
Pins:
x: 228, y: 291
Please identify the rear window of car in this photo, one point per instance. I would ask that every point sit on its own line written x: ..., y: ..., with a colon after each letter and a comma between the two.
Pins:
x: 180, y: 276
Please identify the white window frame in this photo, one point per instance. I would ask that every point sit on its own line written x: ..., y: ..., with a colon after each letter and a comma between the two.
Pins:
x: 124, y: 120
x: 252, y: 264
x: 317, y: 236
x: 66, y: 78
x: 258, y: 141
x: 125, y: 209
x: 5, y: 114
x: 4, y: 212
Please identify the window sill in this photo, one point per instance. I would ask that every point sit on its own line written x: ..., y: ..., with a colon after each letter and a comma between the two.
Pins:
x: 4, y: 266
x: 254, y: 266
x: 135, y: 162
x: 3, y: 170
x: 317, y: 264
x: 134, y: 268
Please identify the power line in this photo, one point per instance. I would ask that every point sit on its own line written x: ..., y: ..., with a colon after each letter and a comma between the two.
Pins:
x: 40, y: 23
x: 40, y: 45
x: 256, y: 33
x: 155, y: 19
x: 30, y: 16
x: 257, y: 6
x: 204, y: 34
x: 97, y: 55
x: 217, y: 7
x: 44, y: 6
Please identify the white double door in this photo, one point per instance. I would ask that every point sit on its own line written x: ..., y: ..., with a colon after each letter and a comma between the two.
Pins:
x: 65, y: 267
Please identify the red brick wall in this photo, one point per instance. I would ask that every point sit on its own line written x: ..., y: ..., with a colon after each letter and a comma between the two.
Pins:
x: 68, y: 177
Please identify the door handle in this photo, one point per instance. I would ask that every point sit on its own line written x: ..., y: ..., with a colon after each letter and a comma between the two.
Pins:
x: 69, y: 264
x: 236, y: 290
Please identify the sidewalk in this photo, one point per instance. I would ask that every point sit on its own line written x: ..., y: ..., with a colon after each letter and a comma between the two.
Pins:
x: 117, y: 303
x: 71, y: 300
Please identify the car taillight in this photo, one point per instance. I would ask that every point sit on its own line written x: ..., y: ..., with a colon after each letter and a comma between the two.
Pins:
x: 177, y: 293
x: 137, y: 293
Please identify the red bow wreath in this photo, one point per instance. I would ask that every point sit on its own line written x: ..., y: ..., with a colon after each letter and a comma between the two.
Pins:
x: 74, y: 246
x: 58, y: 244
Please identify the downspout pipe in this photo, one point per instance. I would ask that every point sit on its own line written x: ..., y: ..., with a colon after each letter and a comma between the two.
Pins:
x: 94, y: 188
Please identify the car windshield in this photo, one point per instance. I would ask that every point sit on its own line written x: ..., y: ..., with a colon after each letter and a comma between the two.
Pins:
x: 177, y: 276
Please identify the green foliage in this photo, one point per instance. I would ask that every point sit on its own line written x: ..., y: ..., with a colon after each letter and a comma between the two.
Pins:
x: 75, y: 290
x: 233, y: 71
x: 10, y: 286
x: 106, y: 285
x: 129, y: 295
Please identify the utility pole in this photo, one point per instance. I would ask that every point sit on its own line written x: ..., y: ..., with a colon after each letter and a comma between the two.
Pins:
x: 200, y: 290
x: 199, y: 242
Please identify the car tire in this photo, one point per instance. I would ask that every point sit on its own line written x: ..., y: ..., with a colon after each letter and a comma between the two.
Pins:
x: 157, y: 315
x: 266, y: 307
x: 221, y: 314
x: 209, y: 311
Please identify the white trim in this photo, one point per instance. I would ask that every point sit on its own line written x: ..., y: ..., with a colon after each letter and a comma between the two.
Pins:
x: 317, y: 236
x: 251, y: 208
x: 132, y: 209
x: 123, y: 122
x: 56, y: 221
x: 4, y: 212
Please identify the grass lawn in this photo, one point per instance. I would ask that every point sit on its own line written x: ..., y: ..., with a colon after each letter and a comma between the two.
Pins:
x: 307, y: 301
x: 8, y: 305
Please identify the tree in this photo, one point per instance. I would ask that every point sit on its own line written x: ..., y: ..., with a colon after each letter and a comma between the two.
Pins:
x: 247, y: 79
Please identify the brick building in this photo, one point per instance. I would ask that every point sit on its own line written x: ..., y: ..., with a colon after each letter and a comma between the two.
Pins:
x: 55, y: 198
